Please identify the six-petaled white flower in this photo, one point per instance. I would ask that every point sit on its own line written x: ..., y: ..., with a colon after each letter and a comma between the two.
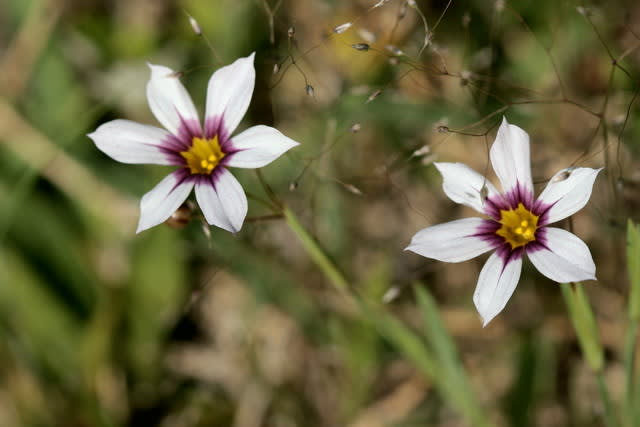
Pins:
x: 202, y: 153
x: 517, y: 224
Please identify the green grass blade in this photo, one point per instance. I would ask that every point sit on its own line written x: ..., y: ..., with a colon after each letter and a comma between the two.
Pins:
x: 584, y: 323
x: 450, y: 366
x: 586, y: 328
x: 313, y: 249
x: 632, y: 400
x: 633, y: 264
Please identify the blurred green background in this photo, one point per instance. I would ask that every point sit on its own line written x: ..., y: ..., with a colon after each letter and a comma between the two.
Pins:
x: 179, y: 327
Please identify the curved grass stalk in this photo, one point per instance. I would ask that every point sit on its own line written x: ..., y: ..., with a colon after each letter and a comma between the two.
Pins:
x: 584, y: 322
x: 434, y: 356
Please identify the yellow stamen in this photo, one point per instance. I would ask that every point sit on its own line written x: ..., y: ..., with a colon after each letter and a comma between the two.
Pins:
x: 203, y: 155
x: 518, y: 226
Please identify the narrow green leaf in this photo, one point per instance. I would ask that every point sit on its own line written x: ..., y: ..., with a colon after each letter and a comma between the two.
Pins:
x: 633, y: 264
x: 629, y: 366
x: 450, y: 367
x: 632, y: 398
x: 154, y: 298
x: 588, y: 336
x: 315, y: 252
x: 47, y: 332
x: 584, y: 323
x: 442, y: 343
x: 405, y: 341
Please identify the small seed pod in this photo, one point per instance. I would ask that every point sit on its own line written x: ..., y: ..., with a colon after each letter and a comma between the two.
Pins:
x: 374, y: 95
x: 355, y: 128
x: 484, y: 191
x: 180, y: 218
x: 394, y: 50
x: 310, y: 90
x: 391, y: 294
x: 342, y: 28
x: 352, y: 189
x: 422, y: 151
x: 291, y: 32
x: 367, y: 35
x: 562, y: 175
x: 363, y: 47
x: 403, y: 10
x: 380, y: 3
x: 195, y: 26
x: 206, y: 230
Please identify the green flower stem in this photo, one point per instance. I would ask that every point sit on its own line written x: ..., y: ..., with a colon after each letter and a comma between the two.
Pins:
x: 633, y: 266
x: 315, y: 252
x: 445, y: 371
x: 584, y: 322
x: 609, y: 414
x: 629, y: 367
x: 586, y: 328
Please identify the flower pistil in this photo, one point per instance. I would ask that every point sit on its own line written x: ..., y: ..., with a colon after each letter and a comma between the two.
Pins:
x: 204, y: 155
x: 518, y: 226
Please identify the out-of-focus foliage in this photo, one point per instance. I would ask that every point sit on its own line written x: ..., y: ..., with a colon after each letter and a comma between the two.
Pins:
x: 173, y: 327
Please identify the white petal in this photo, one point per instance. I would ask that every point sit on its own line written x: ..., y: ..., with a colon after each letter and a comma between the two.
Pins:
x: 229, y: 92
x: 211, y: 206
x: 450, y: 242
x: 169, y: 100
x: 568, y: 191
x: 567, y: 258
x: 464, y: 185
x: 222, y: 201
x: 158, y: 204
x: 258, y: 146
x: 131, y: 142
x: 495, y: 286
x: 510, y: 157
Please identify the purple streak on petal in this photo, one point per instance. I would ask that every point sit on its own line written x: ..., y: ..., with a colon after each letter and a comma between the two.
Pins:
x: 510, y: 200
x: 173, y: 158
x: 508, y: 255
x: 215, y: 126
x: 182, y: 175
x: 487, y: 232
x: 519, y: 194
x: 488, y: 226
x: 188, y: 130
x: 493, y: 205
x: 540, y: 243
x: 211, y: 125
x: 203, y: 179
x: 215, y: 174
x: 173, y: 145
x: 542, y: 210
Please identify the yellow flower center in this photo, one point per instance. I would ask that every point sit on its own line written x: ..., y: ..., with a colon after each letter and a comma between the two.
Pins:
x: 518, y: 226
x: 203, y: 156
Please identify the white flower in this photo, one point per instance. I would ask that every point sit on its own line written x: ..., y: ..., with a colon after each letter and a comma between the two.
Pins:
x: 202, y: 154
x: 517, y: 223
